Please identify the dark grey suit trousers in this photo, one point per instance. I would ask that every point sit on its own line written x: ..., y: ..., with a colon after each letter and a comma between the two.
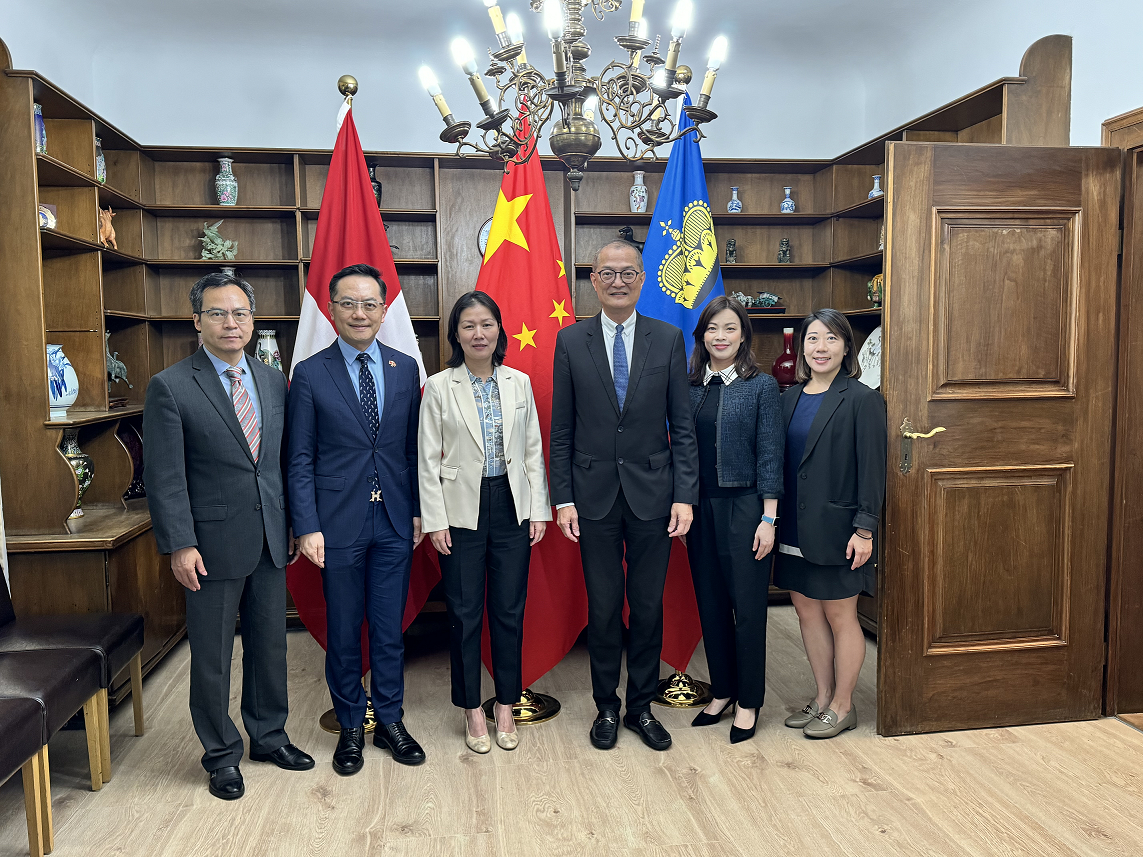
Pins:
x: 259, y: 599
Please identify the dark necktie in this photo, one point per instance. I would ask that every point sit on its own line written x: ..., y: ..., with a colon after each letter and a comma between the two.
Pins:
x: 368, y: 394
x: 619, y: 365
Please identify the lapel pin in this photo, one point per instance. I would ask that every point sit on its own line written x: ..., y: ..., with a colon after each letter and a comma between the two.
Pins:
x: 393, y: 363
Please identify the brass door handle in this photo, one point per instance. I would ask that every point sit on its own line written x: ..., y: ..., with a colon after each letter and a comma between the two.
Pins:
x: 907, y: 437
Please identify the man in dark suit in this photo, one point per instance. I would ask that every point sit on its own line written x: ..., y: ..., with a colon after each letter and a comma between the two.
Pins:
x: 353, y: 482
x: 212, y: 446
x: 624, y: 475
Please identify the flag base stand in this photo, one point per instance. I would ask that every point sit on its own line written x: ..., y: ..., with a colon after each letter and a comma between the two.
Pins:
x: 532, y: 708
x: 682, y: 691
x: 328, y: 721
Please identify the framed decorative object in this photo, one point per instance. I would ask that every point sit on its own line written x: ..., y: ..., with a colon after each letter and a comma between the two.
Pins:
x: 869, y: 359
x: 482, y: 236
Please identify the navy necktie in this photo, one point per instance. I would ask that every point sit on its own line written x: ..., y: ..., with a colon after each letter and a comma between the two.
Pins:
x: 619, y: 365
x: 368, y: 394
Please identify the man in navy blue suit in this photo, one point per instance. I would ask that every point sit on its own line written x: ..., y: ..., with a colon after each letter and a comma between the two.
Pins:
x: 354, y: 505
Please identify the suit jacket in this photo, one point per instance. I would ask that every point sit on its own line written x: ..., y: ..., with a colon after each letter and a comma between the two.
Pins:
x: 204, y: 488
x: 332, y: 456
x: 649, y: 448
x: 841, y: 478
x: 452, y: 450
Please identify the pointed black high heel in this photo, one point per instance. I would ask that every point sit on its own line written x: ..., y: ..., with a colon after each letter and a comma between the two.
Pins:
x: 704, y: 719
x: 738, y: 735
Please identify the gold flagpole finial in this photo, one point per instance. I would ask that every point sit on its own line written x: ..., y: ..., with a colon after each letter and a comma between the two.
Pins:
x: 347, y: 86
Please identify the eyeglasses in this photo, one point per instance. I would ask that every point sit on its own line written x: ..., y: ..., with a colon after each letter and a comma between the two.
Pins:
x: 368, y: 307
x: 218, y: 316
x: 606, y: 275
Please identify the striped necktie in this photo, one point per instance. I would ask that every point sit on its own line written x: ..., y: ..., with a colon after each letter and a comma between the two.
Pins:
x: 244, y: 409
x: 619, y: 368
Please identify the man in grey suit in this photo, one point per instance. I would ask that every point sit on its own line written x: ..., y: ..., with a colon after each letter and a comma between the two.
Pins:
x: 212, y: 446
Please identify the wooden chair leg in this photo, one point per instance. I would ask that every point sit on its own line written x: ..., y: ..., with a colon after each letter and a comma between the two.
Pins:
x: 91, y: 726
x: 137, y: 691
x: 46, y: 823
x: 104, y: 736
x: 32, y: 801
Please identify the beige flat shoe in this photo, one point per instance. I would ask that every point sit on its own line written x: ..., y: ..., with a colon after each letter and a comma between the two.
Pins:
x: 508, y: 740
x: 477, y: 743
x: 799, y: 719
x: 826, y: 724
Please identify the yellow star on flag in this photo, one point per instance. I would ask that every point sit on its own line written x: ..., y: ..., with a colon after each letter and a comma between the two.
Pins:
x: 526, y: 337
x: 504, y: 224
x: 563, y: 271
x: 560, y: 314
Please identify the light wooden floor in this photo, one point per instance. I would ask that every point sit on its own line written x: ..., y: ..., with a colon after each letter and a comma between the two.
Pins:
x: 1040, y: 790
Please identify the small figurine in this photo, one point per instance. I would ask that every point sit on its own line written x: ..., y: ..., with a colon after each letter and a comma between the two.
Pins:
x: 628, y: 234
x: 766, y: 299
x: 875, y: 288
x: 376, y: 182
x: 214, y: 246
x: 731, y: 251
x: 106, y: 230
x: 742, y: 299
x: 784, y: 251
x: 115, y: 368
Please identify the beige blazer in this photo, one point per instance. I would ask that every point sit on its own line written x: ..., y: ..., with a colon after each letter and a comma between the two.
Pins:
x: 450, y: 450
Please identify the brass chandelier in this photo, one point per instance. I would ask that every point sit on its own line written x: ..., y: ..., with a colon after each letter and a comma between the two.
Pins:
x: 632, y: 98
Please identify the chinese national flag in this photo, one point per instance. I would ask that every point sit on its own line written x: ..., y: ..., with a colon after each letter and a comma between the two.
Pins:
x: 524, y: 273
x: 349, y: 231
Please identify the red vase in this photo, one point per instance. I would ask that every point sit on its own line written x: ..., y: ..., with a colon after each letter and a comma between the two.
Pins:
x: 784, y: 369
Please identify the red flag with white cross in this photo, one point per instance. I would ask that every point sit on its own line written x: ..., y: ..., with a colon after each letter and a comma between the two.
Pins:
x: 523, y: 271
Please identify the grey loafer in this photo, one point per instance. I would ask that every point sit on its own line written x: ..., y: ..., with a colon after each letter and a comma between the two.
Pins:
x: 826, y: 724
x: 799, y: 719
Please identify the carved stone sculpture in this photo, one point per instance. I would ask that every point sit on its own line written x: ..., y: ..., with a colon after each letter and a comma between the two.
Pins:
x: 106, y: 230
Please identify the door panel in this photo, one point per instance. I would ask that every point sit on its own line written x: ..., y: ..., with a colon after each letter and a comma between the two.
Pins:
x: 1000, y: 328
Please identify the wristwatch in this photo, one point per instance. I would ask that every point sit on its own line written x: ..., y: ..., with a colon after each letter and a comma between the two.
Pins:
x: 766, y: 519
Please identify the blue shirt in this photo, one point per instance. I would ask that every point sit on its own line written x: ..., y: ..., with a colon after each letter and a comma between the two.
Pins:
x: 220, y: 366
x: 487, y: 395
x: 374, y: 360
x: 796, y: 435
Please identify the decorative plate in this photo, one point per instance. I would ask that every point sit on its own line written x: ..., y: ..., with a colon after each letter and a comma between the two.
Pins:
x: 482, y: 236
x: 869, y: 358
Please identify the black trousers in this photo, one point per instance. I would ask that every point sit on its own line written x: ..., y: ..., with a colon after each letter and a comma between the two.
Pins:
x: 603, y: 546
x: 732, y: 590
x: 260, y: 600
x: 488, y: 562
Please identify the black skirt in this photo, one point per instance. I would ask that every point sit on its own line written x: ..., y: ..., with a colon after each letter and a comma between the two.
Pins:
x: 820, y: 582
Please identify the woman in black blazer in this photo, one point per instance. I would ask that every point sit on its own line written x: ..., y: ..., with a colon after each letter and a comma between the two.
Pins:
x: 836, y: 443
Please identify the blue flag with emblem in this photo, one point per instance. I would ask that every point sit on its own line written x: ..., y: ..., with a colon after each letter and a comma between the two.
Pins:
x: 681, y: 254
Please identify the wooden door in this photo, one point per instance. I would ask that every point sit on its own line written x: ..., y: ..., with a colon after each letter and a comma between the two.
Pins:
x: 999, y: 327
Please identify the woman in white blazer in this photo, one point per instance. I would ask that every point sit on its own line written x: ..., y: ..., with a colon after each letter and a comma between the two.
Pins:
x: 484, y: 503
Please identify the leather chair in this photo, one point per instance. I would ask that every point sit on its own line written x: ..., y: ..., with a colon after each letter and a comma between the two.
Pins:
x: 22, y: 725
x: 115, y: 638
x: 60, y: 682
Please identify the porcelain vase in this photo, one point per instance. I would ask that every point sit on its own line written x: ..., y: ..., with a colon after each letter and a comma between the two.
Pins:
x: 787, y: 206
x: 63, y: 383
x: 267, y: 350
x: 41, y: 131
x: 129, y: 436
x: 100, y: 162
x: 225, y: 184
x: 81, y: 463
x: 735, y: 204
x: 877, y: 191
x: 784, y: 369
x: 638, y: 194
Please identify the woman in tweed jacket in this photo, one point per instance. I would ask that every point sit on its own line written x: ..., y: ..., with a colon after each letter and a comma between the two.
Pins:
x: 738, y: 421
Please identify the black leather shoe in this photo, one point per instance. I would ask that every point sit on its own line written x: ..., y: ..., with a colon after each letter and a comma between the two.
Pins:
x: 395, y: 738
x: 226, y: 783
x: 605, y: 729
x: 347, y: 757
x: 738, y: 734
x: 287, y: 757
x: 649, y: 729
x: 704, y: 719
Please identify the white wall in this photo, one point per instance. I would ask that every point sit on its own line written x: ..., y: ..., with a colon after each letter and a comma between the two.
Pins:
x: 806, y: 84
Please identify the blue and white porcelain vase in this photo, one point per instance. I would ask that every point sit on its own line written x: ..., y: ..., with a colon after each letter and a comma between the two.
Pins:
x: 225, y: 184
x: 267, y: 350
x: 877, y: 191
x: 638, y: 194
x: 100, y: 162
x: 735, y: 204
x: 41, y: 131
x: 63, y: 383
x: 81, y: 463
x: 787, y: 206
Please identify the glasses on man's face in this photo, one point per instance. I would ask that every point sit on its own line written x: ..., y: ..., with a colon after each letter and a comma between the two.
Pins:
x: 218, y: 316
x: 368, y: 307
x: 628, y: 275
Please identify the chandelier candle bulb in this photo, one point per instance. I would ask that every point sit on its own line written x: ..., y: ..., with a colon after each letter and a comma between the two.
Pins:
x: 681, y: 20
x: 433, y: 88
x: 717, y: 55
x: 515, y: 28
x: 498, y: 23
x: 636, y: 16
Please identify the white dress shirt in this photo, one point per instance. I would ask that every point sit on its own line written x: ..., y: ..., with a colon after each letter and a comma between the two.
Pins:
x: 609, y: 338
x: 730, y: 373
